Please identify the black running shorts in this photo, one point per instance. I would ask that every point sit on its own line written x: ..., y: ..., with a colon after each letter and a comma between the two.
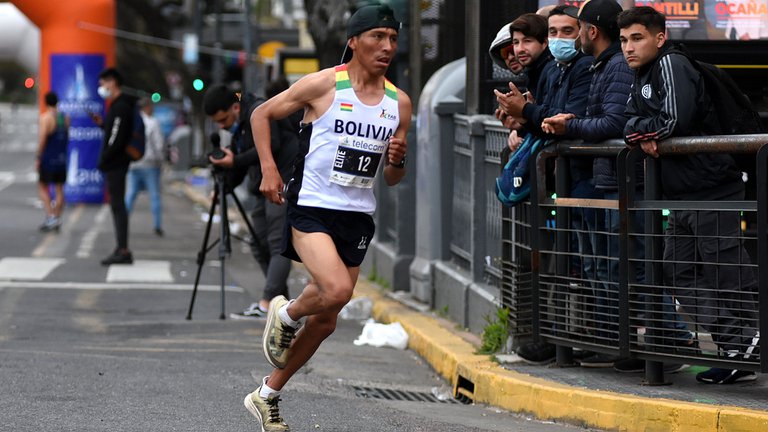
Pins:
x: 52, y: 177
x: 351, y: 232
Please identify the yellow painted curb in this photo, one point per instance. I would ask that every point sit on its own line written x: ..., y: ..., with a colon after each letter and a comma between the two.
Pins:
x: 487, y: 382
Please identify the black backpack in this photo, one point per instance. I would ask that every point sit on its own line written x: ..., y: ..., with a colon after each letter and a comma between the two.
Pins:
x: 138, y: 143
x: 733, y: 109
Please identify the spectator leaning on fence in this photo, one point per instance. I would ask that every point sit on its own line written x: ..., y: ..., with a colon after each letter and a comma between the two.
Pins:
x: 502, y: 52
x: 604, y: 120
x: 529, y: 43
x: 703, y: 255
x: 567, y: 84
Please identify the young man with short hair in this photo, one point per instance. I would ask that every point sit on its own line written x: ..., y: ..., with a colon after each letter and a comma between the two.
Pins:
x: 703, y: 256
x: 354, y: 121
x: 231, y: 113
x: 51, y: 160
x: 565, y: 87
x: 114, y: 159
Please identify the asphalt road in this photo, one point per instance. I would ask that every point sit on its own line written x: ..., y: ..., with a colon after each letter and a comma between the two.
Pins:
x: 89, y: 348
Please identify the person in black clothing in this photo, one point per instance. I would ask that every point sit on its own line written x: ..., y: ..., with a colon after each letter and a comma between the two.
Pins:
x: 703, y: 256
x: 529, y: 41
x: 114, y: 160
x: 563, y: 87
x: 231, y: 113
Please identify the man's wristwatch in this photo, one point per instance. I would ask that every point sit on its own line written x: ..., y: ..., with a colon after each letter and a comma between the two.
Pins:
x: 402, y: 163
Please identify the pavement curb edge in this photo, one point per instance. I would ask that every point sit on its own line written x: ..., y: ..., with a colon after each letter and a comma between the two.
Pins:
x: 484, y: 381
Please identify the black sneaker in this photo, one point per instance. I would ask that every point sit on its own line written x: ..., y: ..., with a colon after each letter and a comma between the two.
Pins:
x: 159, y: 232
x: 725, y: 376
x: 537, y: 353
x: 599, y: 361
x: 253, y: 312
x: 118, y: 257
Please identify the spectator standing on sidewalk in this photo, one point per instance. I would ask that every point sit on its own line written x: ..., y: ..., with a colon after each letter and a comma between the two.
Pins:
x: 51, y: 160
x: 144, y: 174
x: 354, y: 120
x: 114, y: 159
x: 565, y: 87
x: 528, y: 34
x: 268, y: 219
x: 703, y: 254
x: 605, y: 119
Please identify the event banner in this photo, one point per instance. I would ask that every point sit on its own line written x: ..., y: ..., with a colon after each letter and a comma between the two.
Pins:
x: 75, y: 79
x: 739, y: 20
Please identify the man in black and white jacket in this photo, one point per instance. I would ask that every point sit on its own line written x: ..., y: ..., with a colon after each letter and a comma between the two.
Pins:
x: 114, y: 160
x: 669, y: 99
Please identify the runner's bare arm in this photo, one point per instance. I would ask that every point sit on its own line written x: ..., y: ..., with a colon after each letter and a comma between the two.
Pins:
x: 307, y: 93
x: 44, y: 129
x: 398, y: 146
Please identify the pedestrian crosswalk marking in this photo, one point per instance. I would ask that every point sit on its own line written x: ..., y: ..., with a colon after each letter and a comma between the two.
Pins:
x: 35, y: 269
x: 116, y: 286
x: 141, y: 271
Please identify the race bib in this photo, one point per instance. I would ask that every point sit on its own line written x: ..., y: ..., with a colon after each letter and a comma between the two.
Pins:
x: 357, y: 161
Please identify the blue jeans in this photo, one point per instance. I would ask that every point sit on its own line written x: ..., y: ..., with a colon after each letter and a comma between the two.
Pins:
x: 586, y: 222
x: 148, y: 179
x: 673, y: 325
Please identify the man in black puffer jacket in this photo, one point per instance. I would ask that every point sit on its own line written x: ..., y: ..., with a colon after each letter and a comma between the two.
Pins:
x: 703, y: 256
x: 605, y: 119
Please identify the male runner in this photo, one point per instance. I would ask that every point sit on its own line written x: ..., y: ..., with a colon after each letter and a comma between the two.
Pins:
x: 354, y: 120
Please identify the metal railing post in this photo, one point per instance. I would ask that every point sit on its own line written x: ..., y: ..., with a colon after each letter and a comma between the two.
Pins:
x: 654, y: 276
x: 626, y: 161
x: 478, y: 192
x: 564, y: 354
x: 762, y: 249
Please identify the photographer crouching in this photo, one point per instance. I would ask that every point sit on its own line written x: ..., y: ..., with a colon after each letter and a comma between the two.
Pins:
x: 231, y: 111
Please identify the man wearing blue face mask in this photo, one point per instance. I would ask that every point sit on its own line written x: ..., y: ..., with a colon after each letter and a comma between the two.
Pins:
x: 567, y: 80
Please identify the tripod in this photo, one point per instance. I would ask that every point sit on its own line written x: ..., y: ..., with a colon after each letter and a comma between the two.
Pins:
x: 221, y: 190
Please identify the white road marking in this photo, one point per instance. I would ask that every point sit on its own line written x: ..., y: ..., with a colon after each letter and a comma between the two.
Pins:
x: 89, y: 238
x: 141, y: 271
x: 6, y: 179
x: 35, y: 269
x: 114, y: 286
x: 63, y: 237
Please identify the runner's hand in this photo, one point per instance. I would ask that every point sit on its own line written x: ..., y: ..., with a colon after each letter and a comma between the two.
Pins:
x: 396, y: 150
x: 272, y: 186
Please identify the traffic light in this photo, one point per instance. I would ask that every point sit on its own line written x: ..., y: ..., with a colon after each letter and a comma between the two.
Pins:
x: 156, y: 97
x: 29, y: 82
x: 198, y: 84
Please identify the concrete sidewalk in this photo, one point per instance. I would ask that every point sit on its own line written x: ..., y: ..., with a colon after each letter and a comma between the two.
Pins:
x: 544, y: 391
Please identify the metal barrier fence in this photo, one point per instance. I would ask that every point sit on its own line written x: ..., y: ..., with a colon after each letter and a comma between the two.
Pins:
x: 655, y: 279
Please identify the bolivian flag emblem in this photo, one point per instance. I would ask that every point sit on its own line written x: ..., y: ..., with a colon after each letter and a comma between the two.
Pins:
x: 346, y: 107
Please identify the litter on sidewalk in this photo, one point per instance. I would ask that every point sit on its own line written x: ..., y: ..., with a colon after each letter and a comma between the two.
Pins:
x: 359, y: 308
x: 381, y: 335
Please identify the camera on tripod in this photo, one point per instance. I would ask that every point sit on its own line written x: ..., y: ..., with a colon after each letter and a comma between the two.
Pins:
x: 231, y: 177
x: 225, y: 180
x: 217, y: 153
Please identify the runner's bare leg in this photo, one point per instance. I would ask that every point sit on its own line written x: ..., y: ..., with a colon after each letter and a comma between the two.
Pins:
x: 321, y: 301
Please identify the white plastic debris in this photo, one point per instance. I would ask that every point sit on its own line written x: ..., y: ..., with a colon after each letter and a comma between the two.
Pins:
x: 442, y: 393
x: 359, y: 308
x: 380, y: 335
